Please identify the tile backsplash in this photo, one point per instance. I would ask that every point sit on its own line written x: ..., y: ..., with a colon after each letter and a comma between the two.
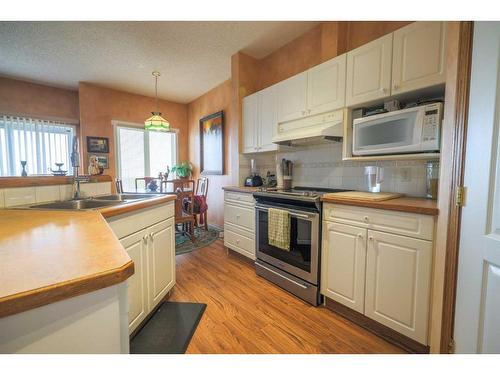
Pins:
x: 322, y: 166
x: 10, y: 197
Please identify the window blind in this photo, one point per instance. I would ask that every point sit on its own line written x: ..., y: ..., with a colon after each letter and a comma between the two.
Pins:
x: 40, y: 143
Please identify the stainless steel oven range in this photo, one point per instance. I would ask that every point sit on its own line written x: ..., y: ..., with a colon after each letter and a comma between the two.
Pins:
x: 296, y: 270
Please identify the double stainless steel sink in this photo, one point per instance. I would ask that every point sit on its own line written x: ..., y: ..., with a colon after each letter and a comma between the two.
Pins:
x: 93, y: 202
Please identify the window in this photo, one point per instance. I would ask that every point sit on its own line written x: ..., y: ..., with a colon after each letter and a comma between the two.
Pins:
x: 143, y: 153
x: 38, y: 142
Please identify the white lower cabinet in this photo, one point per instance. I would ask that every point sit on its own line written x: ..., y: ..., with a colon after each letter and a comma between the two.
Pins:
x: 161, y: 261
x: 149, y: 238
x: 239, y: 223
x: 398, y: 274
x: 385, y: 276
x: 343, y: 270
x: 136, y: 248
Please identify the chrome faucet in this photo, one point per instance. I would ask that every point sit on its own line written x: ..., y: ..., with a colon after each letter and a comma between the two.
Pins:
x: 75, y: 162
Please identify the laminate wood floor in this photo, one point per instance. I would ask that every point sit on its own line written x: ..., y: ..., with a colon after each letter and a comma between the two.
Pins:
x: 247, y: 314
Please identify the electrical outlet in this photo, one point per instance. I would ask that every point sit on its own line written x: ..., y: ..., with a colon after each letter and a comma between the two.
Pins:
x: 405, y: 174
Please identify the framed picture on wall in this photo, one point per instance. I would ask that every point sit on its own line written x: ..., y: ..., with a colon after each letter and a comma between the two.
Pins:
x: 102, y: 160
x: 212, y: 144
x: 98, y: 144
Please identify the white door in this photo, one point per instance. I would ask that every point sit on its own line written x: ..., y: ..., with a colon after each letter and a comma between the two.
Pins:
x: 369, y: 71
x: 398, y: 277
x: 418, y: 56
x: 268, y: 124
x: 292, y: 97
x: 477, y: 315
x: 250, y: 122
x: 161, y: 250
x: 136, y: 247
x: 343, y: 265
x: 326, y: 86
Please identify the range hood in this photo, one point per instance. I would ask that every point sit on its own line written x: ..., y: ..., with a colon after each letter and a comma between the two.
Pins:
x: 313, y: 130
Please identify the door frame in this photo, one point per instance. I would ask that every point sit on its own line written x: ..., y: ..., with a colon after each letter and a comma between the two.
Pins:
x: 447, y: 344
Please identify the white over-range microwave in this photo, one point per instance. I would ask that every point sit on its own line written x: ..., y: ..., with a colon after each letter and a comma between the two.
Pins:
x: 410, y: 130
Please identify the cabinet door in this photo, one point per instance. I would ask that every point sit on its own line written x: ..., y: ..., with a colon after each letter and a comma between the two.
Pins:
x: 268, y: 116
x: 250, y: 123
x: 398, y: 272
x: 292, y: 96
x: 418, y: 56
x: 343, y: 264
x: 136, y: 247
x: 369, y: 71
x: 161, y: 250
x: 326, y: 86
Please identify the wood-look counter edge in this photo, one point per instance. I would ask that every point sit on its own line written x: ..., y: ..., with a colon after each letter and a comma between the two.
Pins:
x: 413, y: 205
x: 134, y: 206
x: 31, y: 299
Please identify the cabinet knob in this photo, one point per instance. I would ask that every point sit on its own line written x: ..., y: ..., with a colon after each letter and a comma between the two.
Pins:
x: 360, y: 235
x: 303, y: 113
x: 384, y: 91
x: 370, y: 238
x: 366, y: 218
x: 151, y: 236
x: 396, y: 86
x: 145, y: 237
x: 237, y: 241
x: 237, y: 216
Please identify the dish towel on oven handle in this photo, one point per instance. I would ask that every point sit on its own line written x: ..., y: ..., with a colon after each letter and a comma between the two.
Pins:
x: 278, y: 229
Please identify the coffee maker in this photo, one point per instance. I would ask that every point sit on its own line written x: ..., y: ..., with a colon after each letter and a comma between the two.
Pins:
x: 254, y: 179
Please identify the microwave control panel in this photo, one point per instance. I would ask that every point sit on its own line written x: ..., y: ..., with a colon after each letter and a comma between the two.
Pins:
x: 432, y: 122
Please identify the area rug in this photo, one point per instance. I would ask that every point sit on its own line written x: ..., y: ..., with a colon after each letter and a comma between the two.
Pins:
x: 183, y: 243
x: 169, y: 330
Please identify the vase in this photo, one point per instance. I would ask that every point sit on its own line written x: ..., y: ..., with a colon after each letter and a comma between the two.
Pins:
x: 23, y: 164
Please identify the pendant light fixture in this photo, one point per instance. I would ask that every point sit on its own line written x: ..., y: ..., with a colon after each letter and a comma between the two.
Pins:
x: 156, y: 122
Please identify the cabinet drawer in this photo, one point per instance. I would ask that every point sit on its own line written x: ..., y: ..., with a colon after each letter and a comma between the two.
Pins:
x: 240, y: 198
x: 240, y: 216
x: 237, y: 242
x: 406, y: 224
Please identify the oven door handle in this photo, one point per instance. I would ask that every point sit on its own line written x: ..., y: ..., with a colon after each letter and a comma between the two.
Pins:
x: 292, y: 213
x: 279, y: 274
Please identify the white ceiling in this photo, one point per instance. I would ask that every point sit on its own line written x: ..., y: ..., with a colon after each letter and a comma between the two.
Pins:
x: 192, y: 57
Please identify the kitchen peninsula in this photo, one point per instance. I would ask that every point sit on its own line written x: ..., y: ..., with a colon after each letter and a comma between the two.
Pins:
x: 64, y: 278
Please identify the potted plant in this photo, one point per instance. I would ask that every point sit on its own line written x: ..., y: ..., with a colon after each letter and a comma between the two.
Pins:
x: 182, y: 170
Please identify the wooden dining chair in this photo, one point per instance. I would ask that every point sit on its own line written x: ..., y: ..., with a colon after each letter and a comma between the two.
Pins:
x: 147, y: 181
x: 201, y: 191
x: 184, y: 217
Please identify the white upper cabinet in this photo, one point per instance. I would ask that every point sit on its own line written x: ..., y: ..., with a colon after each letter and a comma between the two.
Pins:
x: 268, y: 124
x: 260, y: 121
x: 292, y: 98
x: 369, y: 71
x: 250, y: 122
x: 418, y: 56
x: 326, y: 86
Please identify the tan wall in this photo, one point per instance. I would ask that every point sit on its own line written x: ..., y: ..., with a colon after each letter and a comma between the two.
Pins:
x: 217, y: 99
x: 99, y: 106
x: 39, y: 101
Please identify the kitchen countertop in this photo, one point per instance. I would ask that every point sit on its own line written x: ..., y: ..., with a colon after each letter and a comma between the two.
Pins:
x: 50, y: 255
x: 405, y: 204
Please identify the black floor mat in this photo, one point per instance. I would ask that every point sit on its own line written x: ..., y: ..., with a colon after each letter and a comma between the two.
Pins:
x: 169, y: 330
